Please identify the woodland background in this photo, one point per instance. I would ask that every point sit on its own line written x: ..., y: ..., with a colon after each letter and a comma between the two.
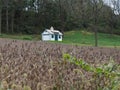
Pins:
x: 33, y: 16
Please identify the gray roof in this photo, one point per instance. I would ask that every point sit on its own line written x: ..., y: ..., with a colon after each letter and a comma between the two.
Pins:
x: 52, y: 31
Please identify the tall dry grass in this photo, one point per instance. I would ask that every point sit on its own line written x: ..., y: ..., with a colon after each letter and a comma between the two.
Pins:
x: 40, y: 65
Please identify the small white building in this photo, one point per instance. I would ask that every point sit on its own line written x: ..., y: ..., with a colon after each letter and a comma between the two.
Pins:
x: 52, y: 35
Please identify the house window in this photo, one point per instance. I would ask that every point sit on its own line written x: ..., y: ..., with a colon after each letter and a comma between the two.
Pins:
x: 59, y: 36
x: 52, y: 36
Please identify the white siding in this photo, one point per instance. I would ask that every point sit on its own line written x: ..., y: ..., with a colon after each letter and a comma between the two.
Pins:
x: 46, y: 37
x: 45, y: 32
x: 52, y: 38
x: 60, y: 38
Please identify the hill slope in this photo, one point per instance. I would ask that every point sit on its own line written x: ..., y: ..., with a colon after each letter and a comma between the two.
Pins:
x: 87, y: 38
x: 76, y: 37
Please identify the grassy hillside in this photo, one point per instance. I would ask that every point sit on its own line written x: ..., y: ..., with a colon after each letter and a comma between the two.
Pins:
x: 21, y: 37
x: 76, y: 37
x: 87, y: 38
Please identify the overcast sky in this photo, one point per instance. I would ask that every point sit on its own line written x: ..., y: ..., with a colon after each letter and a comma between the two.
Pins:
x: 107, y: 1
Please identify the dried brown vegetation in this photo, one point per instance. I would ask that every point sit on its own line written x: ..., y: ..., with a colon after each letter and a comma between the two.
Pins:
x: 40, y: 65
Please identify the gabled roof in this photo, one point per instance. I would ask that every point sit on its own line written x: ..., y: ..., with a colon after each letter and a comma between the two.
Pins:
x: 52, y: 31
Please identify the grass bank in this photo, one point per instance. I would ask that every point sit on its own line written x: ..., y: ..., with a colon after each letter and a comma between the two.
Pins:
x: 87, y: 38
x: 82, y: 38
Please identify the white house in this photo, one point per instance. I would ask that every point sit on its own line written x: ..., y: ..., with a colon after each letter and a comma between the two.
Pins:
x: 52, y: 35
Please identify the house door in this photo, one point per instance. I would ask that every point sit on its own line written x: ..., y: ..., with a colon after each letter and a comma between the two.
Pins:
x: 56, y: 37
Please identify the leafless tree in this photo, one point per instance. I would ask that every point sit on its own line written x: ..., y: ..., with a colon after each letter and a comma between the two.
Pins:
x: 83, y: 10
x: 6, y: 2
x: 96, y: 8
x: 116, y: 6
x: 113, y: 14
x: 0, y: 16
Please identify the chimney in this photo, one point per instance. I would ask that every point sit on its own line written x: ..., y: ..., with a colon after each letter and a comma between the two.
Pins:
x: 51, y: 28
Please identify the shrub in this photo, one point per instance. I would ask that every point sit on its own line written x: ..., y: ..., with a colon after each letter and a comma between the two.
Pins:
x: 105, y: 77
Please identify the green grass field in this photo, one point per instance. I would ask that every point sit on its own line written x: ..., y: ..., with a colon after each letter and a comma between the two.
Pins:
x: 76, y: 37
x: 21, y: 37
x: 87, y: 38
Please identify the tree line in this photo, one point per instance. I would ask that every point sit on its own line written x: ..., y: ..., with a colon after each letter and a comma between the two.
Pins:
x: 33, y: 16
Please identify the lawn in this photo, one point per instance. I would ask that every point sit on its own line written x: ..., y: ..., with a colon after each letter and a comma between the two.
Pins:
x: 21, y: 37
x: 75, y: 37
x: 87, y: 38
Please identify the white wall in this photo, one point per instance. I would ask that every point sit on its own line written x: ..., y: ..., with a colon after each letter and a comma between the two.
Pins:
x: 60, y: 39
x: 48, y: 37
x: 52, y: 39
x: 45, y: 37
